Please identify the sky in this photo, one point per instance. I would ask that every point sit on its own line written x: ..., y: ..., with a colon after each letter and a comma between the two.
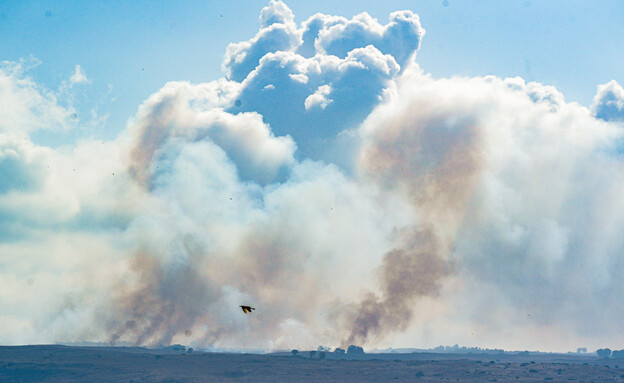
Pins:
x: 130, y: 50
x: 388, y: 174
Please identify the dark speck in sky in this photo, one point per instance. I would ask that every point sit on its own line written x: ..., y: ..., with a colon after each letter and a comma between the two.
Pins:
x: 238, y: 103
x: 48, y: 13
x: 445, y: 3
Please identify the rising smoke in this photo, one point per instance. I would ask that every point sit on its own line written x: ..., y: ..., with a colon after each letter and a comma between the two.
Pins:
x: 417, y: 269
x: 329, y: 182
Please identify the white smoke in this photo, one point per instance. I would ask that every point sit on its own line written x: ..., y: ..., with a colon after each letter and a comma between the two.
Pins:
x: 523, y: 185
x: 330, y: 183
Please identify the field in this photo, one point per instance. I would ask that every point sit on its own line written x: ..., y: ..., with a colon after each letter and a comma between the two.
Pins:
x: 122, y: 364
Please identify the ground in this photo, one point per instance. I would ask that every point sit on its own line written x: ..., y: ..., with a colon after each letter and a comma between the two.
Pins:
x: 122, y: 364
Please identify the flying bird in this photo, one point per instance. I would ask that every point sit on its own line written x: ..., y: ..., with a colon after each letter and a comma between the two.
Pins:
x: 247, y: 309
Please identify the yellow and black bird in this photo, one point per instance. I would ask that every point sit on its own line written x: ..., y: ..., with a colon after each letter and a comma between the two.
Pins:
x: 247, y: 309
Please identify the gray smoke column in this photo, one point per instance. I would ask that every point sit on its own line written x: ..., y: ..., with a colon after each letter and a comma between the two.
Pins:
x: 432, y: 159
x: 166, y: 301
x: 415, y: 270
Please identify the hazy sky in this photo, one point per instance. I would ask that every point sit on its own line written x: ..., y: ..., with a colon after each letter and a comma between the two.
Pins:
x: 390, y: 174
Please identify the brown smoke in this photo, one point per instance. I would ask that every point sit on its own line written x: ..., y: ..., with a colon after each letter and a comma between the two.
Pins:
x: 155, y: 125
x: 413, y: 271
x: 166, y: 300
x: 434, y: 165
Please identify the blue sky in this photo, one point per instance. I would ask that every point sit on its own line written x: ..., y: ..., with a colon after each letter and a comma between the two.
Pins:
x: 136, y: 47
x: 357, y: 180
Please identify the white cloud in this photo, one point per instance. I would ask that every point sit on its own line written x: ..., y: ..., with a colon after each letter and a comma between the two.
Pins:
x: 278, y: 33
x: 358, y: 57
x: 78, y: 77
x: 276, y: 13
x: 319, y: 98
x: 357, y: 82
x: 609, y: 102
x: 182, y: 110
x: 400, y: 37
x: 26, y: 106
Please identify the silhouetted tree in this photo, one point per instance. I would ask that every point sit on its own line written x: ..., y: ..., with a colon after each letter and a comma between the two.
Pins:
x: 604, y: 352
x: 581, y: 349
x: 353, y: 349
x: 294, y: 352
x: 176, y: 347
x: 617, y: 354
x: 338, y: 350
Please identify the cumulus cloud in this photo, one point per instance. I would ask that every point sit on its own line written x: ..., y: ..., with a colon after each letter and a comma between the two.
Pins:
x: 288, y: 65
x: 319, y: 98
x: 181, y: 110
x: 609, y: 102
x: 400, y: 37
x: 278, y: 33
x: 276, y: 13
x: 358, y: 82
x: 329, y: 182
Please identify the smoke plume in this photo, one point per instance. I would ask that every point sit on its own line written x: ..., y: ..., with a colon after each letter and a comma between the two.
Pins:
x: 329, y: 182
x: 417, y: 269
